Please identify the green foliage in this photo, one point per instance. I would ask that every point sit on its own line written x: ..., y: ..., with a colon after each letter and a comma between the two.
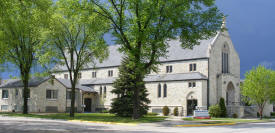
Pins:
x: 235, y: 115
x: 105, y: 111
x: 152, y: 114
x: 222, y: 107
x: 142, y: 28
x: 259, y: 87
x: 21, y: 27
x: 165, y: 111
x: 124, y: 88
x: 74, y: 39
x: 215, y: 111
x: 176, y: 111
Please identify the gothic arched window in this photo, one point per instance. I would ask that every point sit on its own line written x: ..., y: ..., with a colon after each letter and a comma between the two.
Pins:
x: 225, y: 59
x: 164, y: 90
x: 159, y: 90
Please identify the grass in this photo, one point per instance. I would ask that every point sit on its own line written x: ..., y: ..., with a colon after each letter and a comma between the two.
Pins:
x: 99, y: 117
x: 226, y: 120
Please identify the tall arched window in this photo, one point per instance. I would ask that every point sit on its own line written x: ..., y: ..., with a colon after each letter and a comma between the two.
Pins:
x: 159, y: 90
x: 225, y: 59
x: 100, y: 90
x: 105, y: 91
x: 164, y: 90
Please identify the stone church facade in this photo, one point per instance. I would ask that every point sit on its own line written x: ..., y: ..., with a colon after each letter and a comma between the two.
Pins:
x: 186, y: 78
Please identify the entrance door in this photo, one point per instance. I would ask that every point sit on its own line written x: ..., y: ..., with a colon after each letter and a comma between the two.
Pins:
x: 191, y: 106
x: 88, y: 104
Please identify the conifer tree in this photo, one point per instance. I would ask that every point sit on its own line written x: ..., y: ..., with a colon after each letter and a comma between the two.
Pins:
x: 124, y: 89
x: 222, y: 107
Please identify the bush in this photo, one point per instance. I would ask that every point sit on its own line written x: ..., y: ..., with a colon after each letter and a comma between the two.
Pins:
x: 176, y: 111
x: 215, y: 111
x: 235, y: 115
x: 104, y: 111
x: 272, y: 114
x: 222, y: 107
x: 152, y: 114
x: 165, y: 111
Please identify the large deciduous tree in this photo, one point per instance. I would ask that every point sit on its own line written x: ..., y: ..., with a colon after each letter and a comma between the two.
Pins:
x: 21, y: 23
x: 142, y: 28
x: 259, y: 87
x: 74, y: 38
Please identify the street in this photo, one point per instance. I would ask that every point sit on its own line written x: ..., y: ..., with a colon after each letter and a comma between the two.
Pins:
x: 31, y: 125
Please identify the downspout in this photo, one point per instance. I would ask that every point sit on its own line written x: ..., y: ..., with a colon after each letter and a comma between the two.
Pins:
x: 66, y: 101
x: 208, y: 85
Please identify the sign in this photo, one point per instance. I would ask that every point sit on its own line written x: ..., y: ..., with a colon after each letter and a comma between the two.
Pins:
x: 201, y: 113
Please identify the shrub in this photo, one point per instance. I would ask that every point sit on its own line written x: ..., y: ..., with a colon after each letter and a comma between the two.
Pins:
x: 176, y: 111
x: 152, y: 114
x: 104, y: 111
x: 235, y: 115
x: 165, y: 111
x: 272, y: 114
x: 215, y: 111
x: 222, y: 107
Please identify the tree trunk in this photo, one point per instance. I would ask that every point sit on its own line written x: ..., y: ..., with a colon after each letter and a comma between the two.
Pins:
x: 72, y: 100
x: 136, y: 113
x: 261, y: 113
x: 25, y: 79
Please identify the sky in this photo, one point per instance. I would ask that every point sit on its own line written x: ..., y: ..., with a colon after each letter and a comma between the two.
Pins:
x: 251, y: 25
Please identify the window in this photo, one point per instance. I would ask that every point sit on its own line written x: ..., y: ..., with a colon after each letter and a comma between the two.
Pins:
x: 51, y: 94
x: 159, y: 90
x: 189, y: 84
x: 69, y: 95
x: 79, y: 75
x: 164, y: 90
x: 105, y: 91
x: 16, y: 92
x: 93, y: 74
x: 5, y: 94
x: 65, y: 76
x: 225, y: 63
x: 100, y: 90
x: 192, y: 84
x: 192, y: 67
x: 110, y: 73
x: 169, y: 69
x: 4, y: 107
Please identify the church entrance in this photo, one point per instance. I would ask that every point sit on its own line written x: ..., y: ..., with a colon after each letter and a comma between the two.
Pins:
x: 191, y: 106
x: 230, y: 94
x: 88, y: 105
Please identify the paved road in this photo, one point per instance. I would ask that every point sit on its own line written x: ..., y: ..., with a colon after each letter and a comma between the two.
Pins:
x: 30, y: 125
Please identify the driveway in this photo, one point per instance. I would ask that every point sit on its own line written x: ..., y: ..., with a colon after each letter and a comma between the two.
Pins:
x: 32, y: 125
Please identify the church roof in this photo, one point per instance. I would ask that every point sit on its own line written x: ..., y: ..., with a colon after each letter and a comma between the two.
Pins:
x: 67, y: 84
x: 150, y: 78
x: 175, y: 53
x: 14, y: 83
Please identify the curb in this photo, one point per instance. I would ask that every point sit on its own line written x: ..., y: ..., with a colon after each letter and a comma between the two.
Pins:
x: 99, y: 122
x: 201, y: 125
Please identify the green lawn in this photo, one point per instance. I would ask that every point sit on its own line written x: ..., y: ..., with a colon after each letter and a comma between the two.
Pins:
x: 100, y: 117
x: 226, y: 120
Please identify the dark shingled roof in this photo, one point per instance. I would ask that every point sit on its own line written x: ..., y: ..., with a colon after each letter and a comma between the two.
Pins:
x: 33, y: 82
x: 67, y: 84
x: 175, y: 52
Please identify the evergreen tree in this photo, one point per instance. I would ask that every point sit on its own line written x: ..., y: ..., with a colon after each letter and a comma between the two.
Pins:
x: 124, y: 89
x: 222, y: 107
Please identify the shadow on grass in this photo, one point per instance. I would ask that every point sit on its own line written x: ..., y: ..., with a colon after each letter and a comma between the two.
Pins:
x: 100, y: 117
